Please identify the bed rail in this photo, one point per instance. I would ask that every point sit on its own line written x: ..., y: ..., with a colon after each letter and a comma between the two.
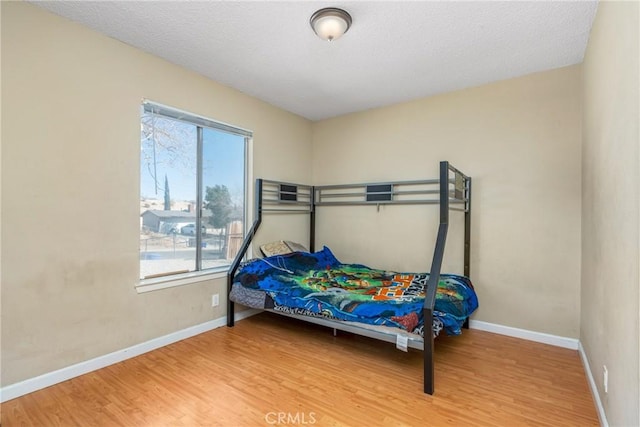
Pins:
x: 451, y: 188
x: 384, y: 193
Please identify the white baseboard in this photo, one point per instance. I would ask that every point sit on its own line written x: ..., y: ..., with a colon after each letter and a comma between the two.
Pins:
x: 45, y: 380
x: 558, y: 341
x: 592, y: 385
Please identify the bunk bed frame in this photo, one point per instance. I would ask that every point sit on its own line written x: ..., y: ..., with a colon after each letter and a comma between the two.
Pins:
x: 453, y: 193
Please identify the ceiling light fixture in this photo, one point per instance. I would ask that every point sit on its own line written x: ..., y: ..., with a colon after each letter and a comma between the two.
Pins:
x: 330, y: 23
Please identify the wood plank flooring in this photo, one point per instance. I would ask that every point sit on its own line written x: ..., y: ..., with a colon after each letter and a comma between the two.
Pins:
x: 272, y: 370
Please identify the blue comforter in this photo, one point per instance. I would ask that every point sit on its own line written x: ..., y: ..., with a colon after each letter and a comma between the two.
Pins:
x: 319, y: 284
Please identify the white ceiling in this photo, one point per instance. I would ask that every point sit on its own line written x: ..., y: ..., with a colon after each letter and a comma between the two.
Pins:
x: 395, y: 50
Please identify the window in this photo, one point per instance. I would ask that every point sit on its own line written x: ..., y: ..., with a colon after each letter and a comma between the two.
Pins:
x: 193, y: 175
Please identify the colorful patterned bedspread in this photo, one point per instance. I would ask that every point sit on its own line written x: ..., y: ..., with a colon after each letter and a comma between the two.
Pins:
x: 318, y: 283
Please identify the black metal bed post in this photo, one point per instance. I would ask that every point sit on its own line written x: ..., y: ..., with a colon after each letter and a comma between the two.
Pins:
x: 467, y: 236
x: 467, y: 229
x: 312, y: 220
x: 434, y: 278
x: 243, y: 250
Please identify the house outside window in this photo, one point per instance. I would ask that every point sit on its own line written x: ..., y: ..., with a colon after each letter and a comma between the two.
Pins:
x: 193, y: 185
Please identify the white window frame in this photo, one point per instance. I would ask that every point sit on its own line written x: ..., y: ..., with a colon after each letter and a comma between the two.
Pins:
x: 153, y: 284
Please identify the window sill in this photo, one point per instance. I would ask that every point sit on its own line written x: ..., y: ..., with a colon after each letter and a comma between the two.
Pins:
x: 155, y: 284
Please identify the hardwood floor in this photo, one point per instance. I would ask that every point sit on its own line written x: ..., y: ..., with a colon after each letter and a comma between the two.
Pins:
x: 271, y: 370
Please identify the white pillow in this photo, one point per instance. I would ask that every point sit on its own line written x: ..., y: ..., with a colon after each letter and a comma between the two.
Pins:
x: 281, y: 247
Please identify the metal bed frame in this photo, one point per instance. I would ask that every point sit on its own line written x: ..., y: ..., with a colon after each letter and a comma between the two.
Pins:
x: 453, y: 188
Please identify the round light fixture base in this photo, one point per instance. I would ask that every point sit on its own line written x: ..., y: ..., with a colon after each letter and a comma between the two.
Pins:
x: 330, y: 23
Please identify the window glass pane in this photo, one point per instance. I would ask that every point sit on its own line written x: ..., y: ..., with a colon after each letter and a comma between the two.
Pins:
x: 223, y: 173
x: 181, y: 229
x: 167, y: 196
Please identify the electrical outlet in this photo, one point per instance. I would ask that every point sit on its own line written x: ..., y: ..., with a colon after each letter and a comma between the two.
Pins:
x: 215, y: 300
x: 605, y: 382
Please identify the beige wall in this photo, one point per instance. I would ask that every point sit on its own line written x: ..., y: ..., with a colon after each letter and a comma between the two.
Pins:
x: 70, y: 189
x: 520, y: 141
x: 609, y: 326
